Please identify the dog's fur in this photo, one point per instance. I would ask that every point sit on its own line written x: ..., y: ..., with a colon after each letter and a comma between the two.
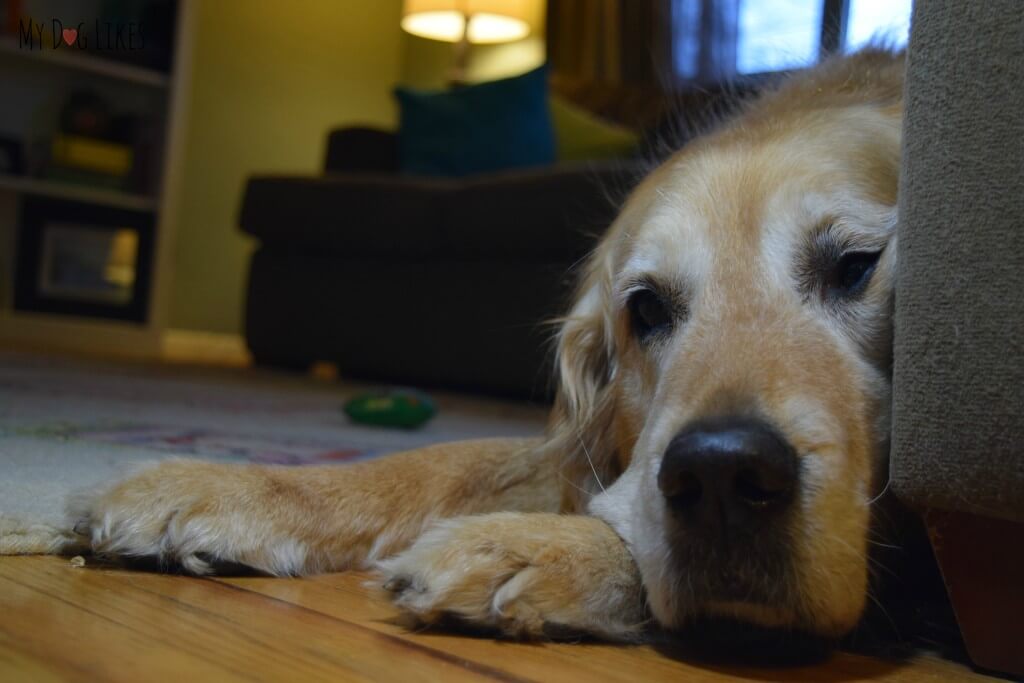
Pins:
x: 738, y: 232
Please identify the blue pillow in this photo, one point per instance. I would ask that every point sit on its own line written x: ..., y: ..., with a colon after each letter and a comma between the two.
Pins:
x: 476, y: 128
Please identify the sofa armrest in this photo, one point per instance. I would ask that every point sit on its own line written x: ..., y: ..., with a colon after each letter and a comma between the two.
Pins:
x: 958, y: 384
x: 357, y: 148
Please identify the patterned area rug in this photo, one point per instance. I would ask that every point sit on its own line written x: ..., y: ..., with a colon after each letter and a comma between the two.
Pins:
x: 69, y: 425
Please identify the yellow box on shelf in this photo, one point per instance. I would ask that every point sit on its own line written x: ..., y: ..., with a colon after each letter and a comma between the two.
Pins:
x: 76, y: 151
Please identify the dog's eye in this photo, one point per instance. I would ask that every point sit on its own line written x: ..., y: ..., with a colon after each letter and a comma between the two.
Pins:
x: 649, y: 313
x: 853, y: 272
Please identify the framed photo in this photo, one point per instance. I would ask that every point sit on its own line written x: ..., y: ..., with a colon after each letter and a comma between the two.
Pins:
x: 81, y: 259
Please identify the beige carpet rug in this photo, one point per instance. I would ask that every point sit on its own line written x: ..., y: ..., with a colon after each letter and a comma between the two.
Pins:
x: 68, y: 426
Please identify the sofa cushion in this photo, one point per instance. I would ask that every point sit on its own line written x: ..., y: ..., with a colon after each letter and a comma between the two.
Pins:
x: 359, y: 213
x: 582, y: 136
x: 478, y: 128
x: 556, y: 213
x: 551, y: 213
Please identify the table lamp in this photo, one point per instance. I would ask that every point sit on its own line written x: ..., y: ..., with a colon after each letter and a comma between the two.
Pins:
x: 466, y: 22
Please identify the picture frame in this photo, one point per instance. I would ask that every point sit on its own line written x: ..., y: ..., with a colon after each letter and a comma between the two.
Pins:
x: 80, y: 259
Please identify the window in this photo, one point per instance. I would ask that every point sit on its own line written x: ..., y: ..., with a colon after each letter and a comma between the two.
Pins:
x: 867, y: 20
x: 777, y: 34
x: 719, y: 39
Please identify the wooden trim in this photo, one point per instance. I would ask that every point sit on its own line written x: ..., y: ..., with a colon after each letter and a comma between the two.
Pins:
x: 982, y: 563
x: 204, y: 348
x: 43, y: 332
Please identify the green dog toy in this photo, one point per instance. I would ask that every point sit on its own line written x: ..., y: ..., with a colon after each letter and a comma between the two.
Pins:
x: 398, y: 408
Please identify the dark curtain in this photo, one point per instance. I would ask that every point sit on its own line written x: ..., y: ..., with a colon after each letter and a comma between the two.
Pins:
x: 610, y: 41
x: 643, y: 42
x: 664, y: 65
x: 612, y: 57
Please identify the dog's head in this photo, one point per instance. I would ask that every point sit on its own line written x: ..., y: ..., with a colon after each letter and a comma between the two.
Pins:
x: 724, y: 374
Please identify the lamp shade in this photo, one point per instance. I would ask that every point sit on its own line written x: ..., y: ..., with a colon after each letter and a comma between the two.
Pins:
x: 490, y: 21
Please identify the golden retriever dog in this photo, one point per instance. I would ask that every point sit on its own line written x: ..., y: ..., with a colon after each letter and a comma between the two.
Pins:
x: 720, y: 428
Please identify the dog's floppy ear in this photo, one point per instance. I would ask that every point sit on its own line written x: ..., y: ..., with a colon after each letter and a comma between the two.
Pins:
x: 581, y: 423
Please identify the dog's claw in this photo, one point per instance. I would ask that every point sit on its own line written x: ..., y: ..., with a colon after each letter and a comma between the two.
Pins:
x: 396, y: 584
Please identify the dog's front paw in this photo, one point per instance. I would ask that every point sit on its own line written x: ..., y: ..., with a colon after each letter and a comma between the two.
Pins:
x: 194, y: 515
x: 526, y: 575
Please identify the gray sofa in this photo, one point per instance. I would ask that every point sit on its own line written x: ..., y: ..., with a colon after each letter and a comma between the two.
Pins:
x: 958, y: 417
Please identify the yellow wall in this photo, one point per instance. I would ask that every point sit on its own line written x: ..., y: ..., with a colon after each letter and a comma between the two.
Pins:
x: 269, y: 79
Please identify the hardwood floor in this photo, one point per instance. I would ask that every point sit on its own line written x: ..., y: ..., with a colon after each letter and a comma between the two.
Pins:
x: 59, y: 622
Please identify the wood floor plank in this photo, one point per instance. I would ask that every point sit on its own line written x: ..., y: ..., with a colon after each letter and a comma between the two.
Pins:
x: 348, y: 597
x: 75, y: 640
x: 59, y: 623
x: 104, y: 624
x: 16, y: 667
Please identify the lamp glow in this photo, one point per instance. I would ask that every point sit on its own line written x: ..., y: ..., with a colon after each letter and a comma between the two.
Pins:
x: 446, y: 25
x: 496, y: 28
x: 490, y: 21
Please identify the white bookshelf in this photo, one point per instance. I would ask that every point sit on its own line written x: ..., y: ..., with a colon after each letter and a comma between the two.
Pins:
x: 167, y: 93
x: 80, y: 193
x: 68, y: 59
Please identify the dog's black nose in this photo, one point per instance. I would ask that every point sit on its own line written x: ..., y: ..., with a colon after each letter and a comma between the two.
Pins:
x: 727, y: 472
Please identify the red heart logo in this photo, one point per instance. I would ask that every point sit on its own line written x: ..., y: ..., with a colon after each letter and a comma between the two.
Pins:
x: 70, y: 35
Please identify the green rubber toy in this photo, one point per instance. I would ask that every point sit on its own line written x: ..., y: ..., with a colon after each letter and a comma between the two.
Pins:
x: 398, y: 408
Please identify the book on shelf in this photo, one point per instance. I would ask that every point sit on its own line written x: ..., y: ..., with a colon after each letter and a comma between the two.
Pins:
x: 74, y: 176
x: 91, y: 154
